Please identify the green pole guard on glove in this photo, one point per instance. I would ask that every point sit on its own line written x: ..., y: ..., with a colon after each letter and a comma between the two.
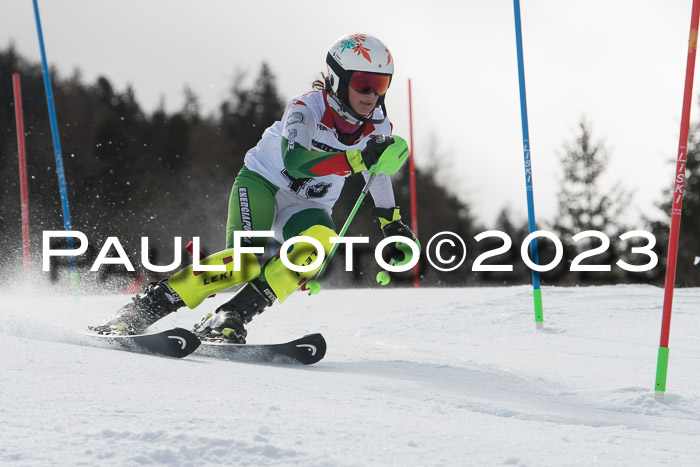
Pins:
x: 393, y: 157
x: 388, y: 161
x: 401, y: 252
x: 383, y: 277
x: 407, y: 252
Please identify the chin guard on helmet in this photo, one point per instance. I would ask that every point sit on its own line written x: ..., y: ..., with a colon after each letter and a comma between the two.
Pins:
x: 350, y: 54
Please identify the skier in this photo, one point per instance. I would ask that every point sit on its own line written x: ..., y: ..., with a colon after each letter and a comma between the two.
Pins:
x: 289, y: 184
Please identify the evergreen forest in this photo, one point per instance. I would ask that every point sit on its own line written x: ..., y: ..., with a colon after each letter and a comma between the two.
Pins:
x: 132, y: 174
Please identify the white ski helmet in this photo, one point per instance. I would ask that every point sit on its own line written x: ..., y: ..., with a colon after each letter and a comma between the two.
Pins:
x: 364, y: 54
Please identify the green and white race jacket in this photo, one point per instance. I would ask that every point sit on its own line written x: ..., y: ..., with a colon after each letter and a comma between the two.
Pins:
x: 302, y: 154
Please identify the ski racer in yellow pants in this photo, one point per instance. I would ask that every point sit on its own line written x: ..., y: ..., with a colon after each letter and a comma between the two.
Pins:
x: 255, y: 205
x: 289, y: 184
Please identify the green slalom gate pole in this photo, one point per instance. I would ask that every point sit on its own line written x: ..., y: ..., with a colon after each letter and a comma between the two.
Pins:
x: 672, y: 256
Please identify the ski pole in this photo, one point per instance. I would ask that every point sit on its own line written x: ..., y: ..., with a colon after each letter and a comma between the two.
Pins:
x: 314, y: 286
x: 391, y: 161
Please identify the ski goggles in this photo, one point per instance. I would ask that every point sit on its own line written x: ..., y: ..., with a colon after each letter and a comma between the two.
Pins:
x: 366, y: 83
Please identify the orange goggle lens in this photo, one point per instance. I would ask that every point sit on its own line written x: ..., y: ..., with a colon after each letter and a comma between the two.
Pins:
x: 366, y: 83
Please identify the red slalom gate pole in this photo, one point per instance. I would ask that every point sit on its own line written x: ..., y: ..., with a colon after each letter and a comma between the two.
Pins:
x: 412, y: 178
x: 19, y: 119
x: 662, y: 362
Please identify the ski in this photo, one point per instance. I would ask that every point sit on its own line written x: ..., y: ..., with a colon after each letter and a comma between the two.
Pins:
x: 306, y: 350
x: 176, y: 342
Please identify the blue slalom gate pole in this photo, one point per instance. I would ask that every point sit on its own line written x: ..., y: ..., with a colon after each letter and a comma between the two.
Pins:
x: 57, y: 148
x: 537, y: 292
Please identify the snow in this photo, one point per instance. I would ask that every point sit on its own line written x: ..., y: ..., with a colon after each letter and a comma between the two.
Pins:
x: 411, y: 377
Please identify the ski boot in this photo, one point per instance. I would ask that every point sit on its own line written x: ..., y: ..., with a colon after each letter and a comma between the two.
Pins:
x: 159, y: 300
x: 227, y: 324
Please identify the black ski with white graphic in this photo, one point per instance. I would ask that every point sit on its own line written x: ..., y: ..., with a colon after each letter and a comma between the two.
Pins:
x: 176, y: 342
x: 307, y: 351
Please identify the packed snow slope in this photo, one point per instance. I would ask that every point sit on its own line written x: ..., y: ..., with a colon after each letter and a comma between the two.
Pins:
x: 411, y: 377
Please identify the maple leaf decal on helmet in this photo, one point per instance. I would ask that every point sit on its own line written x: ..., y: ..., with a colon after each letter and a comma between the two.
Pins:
x: 354, y: 43
x: 368, y: 56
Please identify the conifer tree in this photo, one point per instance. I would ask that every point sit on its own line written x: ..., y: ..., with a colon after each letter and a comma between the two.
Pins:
x: 585, y: 206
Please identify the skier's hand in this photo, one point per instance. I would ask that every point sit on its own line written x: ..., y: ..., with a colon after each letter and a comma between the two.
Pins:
x: 374, y: 149
x: 390, y: 219
x: 382, y: 154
